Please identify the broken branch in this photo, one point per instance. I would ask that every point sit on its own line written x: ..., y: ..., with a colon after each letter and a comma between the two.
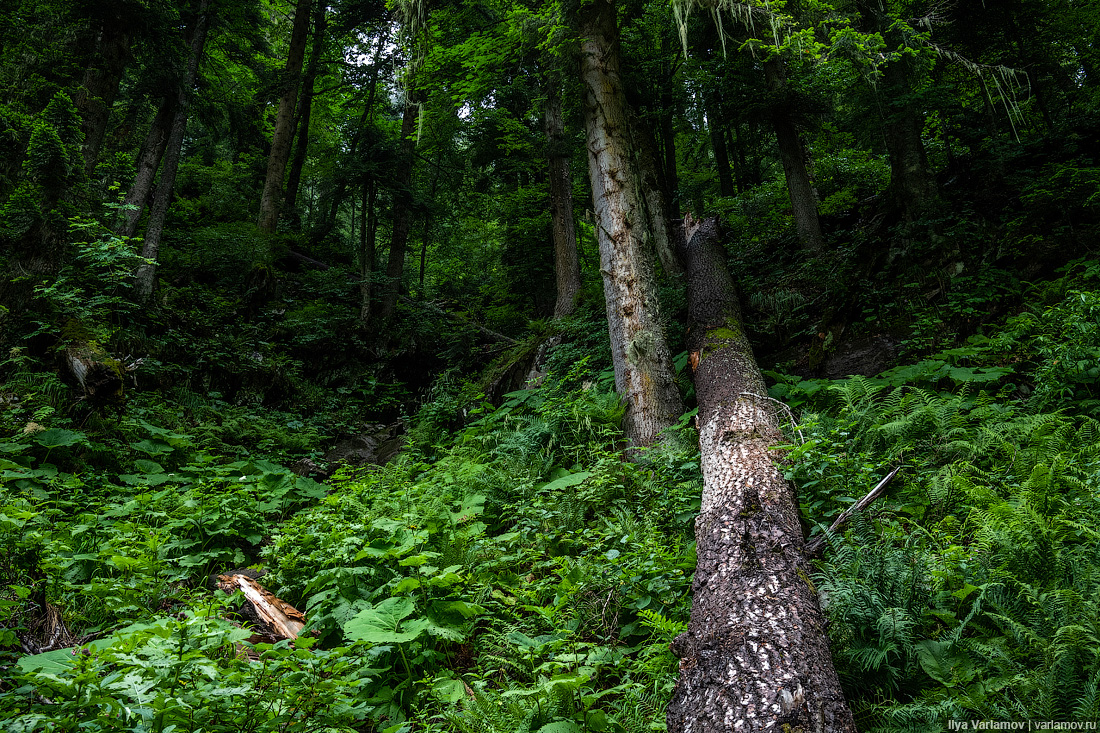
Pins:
x: 817, y: 544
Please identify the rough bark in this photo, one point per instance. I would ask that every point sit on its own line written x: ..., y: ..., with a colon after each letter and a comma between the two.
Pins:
x: 148, y: 162
x: 799, y: 186
x: 402, y: 213
x: 567, y: 269
x: 643, y: 365
x: 146, y: 274
x: 100, y: 87
x: 294, y: 177
x: 755, y: 656
x: 657, y: 208
x: 284, y: 121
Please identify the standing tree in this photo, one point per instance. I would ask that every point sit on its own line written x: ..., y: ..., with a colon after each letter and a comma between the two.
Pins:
x: 146, y: 274
x: 643, y: 365
x: 271, y: 199
x: 566, y: 265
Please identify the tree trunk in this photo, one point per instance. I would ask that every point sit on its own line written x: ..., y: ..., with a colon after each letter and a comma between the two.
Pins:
x: 912, y: 183
x: 713, y: 105
x: 294, y: 178
x: 658, y: 214
x: 799, y: 187
x: 402, y: 210
x: 912, y: 186
x: 146, y: 274
x: 366, y: 250
x: 567, y: 268
x: 425, y: 238
x: 284, y: 121
x: 147, y: 164
x: 643, y: 364
x: 755, y: 656
x: 100, y: 87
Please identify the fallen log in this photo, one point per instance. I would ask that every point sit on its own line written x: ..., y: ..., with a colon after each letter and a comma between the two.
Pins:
x: 755, y: 656
x: 284, y: 620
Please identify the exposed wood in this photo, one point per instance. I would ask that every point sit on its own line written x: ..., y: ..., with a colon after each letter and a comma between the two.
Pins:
x: 817, y: 544
x: 284, y: 619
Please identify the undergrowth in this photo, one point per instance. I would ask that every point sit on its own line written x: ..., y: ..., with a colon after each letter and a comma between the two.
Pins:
x: 512, y: 572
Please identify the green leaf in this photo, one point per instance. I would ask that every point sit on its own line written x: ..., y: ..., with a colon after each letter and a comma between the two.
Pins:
x: 58, y: 438
x: 561, y: 726
x: 55, y: 662
x: 571, y: 480
x: 378, y: 625
x: 152, y: 448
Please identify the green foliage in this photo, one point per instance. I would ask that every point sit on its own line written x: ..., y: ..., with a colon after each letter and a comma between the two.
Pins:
x: 971, y: 592
x: 189, y: 672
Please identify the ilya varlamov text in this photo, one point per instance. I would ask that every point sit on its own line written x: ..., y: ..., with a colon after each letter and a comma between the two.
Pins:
x: 1027, y: 725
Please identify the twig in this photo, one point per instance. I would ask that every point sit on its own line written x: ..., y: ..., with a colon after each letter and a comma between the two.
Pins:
x: 781, y: 404
x: 817, y: 544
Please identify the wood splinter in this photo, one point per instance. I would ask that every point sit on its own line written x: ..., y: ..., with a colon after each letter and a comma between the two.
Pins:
x: 284, y: 619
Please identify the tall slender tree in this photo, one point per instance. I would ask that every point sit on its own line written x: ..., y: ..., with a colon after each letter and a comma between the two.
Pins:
x: 643, y: 365
x: 271, y: 199
x: 146, y: 274
x: 566, y: 264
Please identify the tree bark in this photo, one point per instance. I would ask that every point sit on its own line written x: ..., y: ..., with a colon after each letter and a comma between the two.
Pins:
x: 799, y: 186
x: 100, y: 87
x: 284, y: 121
x: 643, y: 364
x: 148, y: 162
x: 657, y: 207
x: 712, y: 104
x: 912, y: 183
x: 402, y: 210
x: 294, y: 178
x: 567, y: 269
x: 755, y: 656
x: 366, y: 250
x: 912, y: 186
x: 146, y: 274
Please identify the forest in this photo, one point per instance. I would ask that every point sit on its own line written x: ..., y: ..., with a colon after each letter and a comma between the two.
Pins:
x: 549, y: 366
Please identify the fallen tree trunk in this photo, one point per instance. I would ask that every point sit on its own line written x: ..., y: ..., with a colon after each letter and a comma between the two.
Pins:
x: 755, y: 656
x: 283, y: 619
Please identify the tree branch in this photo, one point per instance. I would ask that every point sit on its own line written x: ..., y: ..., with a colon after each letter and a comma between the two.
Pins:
x: 817, y: 544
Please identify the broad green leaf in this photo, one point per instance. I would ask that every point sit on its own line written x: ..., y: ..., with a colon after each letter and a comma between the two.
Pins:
x: 59, y: 438
x: 571, y: 480
x: 55, y: 662
x: 379, y: 624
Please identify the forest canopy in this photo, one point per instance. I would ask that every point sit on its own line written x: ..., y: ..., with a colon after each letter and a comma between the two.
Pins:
x: 482, y: 366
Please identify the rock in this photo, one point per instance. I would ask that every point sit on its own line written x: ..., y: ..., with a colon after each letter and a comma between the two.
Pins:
x: 378, y: 446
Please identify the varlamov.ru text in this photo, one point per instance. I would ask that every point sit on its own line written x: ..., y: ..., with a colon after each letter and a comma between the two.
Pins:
x: 1021, y: 725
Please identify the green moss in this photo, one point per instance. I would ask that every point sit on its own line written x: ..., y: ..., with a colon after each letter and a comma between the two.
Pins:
x: 726, y: 334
